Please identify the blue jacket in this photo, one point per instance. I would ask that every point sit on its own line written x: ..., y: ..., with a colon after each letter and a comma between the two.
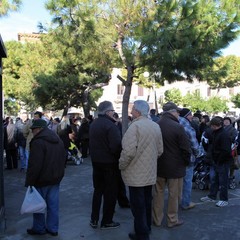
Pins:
x: 191, y: 133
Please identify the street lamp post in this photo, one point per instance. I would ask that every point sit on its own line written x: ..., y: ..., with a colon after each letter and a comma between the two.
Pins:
x: 2, y: 203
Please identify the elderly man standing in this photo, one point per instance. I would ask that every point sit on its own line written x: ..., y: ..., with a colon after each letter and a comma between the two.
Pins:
x: 185, y: 120
x: 171, y: 166
x: 45, y: 172
x: 105, y: 147
x: 142, y: 145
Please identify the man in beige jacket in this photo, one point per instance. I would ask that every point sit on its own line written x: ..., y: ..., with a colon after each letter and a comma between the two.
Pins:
x: 141, y: 146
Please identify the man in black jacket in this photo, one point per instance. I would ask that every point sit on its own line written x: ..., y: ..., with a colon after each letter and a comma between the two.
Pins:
x: 105, y: 147
x: 45, y: 172
x: 222, y: 158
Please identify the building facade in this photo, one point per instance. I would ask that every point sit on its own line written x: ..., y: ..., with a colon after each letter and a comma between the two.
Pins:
x: 114, y: 92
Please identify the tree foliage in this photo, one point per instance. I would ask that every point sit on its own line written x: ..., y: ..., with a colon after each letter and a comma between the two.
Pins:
x: 173, y: 95
x: 24, y: 63
x: 12, y: 86
x: 177, y: 38
x: 172, y: 40
x: 194, y: 101
x: 186, y: 36
x: 225, y: 72
x: 236, y: 100
x: 9, y: 5
x: 215, y: 105
x: 83, y: 65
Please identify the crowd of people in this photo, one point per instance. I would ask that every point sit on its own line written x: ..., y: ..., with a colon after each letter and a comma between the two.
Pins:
x: 18, y: 135
x: 156, y: 152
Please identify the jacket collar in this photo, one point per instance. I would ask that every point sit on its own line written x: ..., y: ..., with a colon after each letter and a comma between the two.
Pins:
x: 169, y: 115
x: 106, y: 116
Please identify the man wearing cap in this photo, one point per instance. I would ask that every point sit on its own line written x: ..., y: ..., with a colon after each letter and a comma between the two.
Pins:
x: 105, y: 147
x: 45, y: 172
x: 185, y: 120
x: 171, y: 166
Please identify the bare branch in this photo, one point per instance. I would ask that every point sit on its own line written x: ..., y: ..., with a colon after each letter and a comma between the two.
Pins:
x: 121, y: 79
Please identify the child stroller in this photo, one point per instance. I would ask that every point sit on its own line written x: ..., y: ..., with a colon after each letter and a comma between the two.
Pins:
x: 74, y: 154
x: 201, y: 176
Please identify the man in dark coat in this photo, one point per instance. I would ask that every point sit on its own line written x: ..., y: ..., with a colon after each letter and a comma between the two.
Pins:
x: 83, y: 137
x: 222, y: 158
x: 105, y: 148
x: 171, y: 166
x: 45, y: 172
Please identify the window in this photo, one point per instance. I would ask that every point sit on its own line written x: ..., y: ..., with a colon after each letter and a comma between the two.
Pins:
x: 231, y: 91
x: 209, y: 92
x: 140, y: 91
x: 120, y: 89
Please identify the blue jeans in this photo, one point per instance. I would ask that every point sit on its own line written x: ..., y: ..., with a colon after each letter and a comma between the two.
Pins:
x: 220, y: 181
x: 141, y: 206
x: 27, y: 155
x: 187, y: 187
x: 23, y: 157
x: 211, y: 174
x: 51, y: 196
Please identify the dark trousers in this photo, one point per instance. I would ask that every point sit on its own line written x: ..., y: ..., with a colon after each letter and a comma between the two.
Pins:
x: 85, y: 147
x: 105, y: 186
x: 11, y: 157
x: 141, y: 206
x: 220, y: 181
x: 122, y: 194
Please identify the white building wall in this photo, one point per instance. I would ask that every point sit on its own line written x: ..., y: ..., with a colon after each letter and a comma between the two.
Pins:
x: 110, y: 92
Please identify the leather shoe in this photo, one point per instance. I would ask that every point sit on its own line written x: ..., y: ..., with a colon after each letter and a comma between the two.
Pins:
x: 126, y: 205
x: 156, y: 224
x: 54, y: 234
x: 178, y: 223
x: 30, y: 231
x: 132, y: 236
x: 190, y: 206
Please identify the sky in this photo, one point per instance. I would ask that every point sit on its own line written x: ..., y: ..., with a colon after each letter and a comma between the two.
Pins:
x: 32, y: 12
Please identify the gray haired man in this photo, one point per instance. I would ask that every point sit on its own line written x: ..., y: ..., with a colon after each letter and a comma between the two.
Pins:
x: 142, y: 145
x: 105, y: 147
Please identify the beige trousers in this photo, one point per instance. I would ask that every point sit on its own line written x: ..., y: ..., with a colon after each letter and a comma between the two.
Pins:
x: 174, y: 197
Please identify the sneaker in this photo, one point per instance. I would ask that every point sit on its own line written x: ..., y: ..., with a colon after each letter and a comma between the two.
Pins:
x: 94, y: 223
x: 110, y: 225
x: 132, y: 236
x: 221, y: 203
x: 191, y: 205
x: 207, y: 199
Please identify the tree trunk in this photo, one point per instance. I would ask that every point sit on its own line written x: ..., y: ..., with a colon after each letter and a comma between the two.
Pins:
x: 126, y: 97
x: 85, y: 103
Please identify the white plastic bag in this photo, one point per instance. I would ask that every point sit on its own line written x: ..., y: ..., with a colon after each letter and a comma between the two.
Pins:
x: 33, y: 202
